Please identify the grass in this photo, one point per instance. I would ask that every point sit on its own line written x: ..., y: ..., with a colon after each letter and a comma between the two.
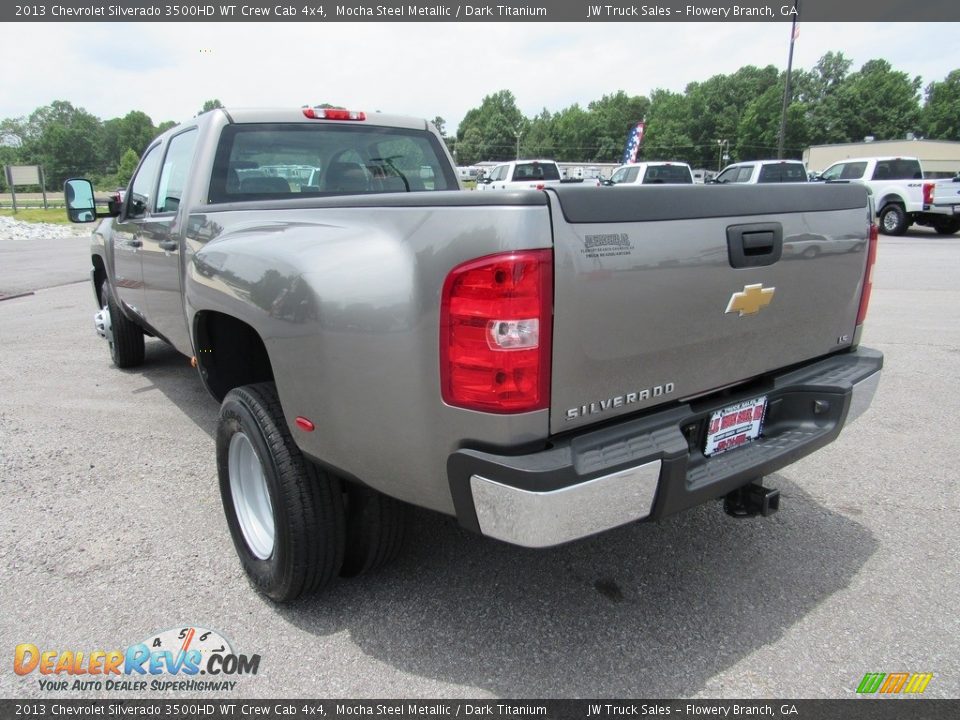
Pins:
x: 58, y: 216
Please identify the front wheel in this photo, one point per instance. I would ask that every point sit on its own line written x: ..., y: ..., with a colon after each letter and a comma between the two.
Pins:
x: 124, y: 336
x: 893, y: 220
x: 285, y: 514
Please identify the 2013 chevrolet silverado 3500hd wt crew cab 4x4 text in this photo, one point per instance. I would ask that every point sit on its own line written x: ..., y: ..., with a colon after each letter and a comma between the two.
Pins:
x: 542, y: 364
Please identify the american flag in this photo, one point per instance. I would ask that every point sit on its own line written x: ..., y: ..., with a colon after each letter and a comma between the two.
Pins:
x: 634, y: 141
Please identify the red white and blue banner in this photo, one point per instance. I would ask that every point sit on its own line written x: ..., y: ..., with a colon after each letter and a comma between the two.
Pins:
x: 634, y: 141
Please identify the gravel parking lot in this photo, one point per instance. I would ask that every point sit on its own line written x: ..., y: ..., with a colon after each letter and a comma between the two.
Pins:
x: 112, y: 531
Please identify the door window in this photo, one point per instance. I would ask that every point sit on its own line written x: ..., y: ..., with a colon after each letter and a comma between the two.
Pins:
x: 173, y: 177
x: 143, y: 184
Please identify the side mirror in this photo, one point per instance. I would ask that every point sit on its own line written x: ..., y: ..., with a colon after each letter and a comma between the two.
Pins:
x: 81, y: 206
x: 484, y: 180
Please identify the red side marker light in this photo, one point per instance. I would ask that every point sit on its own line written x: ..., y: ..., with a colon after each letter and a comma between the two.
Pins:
x: 305, y: 424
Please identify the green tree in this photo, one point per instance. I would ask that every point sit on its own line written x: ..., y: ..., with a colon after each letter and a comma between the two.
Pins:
x: 614, y: 115
x: 166, y: 125
x: 496, y: 121
x: 879, y: 101
x: 470, y: 147
x: 940, y: 117
x: 576, y: 131
x: 63, y: 139
x: 667, y: 132
x: 440, y: 124
x: 760, y: 126
x: 133, y: 131
x: 819, y: 93
x: 717, y: 105
x: 215, y: 103
x: 126, y: 168
x: 538, y: 141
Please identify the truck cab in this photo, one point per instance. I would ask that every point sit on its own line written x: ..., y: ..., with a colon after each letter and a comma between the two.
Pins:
x: 651, y: 173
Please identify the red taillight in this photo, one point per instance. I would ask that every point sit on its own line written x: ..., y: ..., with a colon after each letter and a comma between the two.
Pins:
x: 868, y: 275
x: 305, y: 424
x: 928, y: 193
x: 319, y: 113
x: 496, y: 317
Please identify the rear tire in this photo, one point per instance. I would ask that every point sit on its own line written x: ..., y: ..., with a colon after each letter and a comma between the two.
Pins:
x: 893, y: 220
x: 126, y: 343
x: 285, y: 514
x: 376, y: 528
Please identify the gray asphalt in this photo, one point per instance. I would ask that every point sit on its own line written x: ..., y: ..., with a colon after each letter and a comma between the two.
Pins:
x: 112, y: 531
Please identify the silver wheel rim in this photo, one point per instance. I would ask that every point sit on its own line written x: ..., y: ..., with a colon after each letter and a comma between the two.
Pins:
x: 891, y: 220
x: 251, y: 497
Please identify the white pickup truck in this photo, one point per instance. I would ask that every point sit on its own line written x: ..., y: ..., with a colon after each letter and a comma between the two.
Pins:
x: 946, y: 200
x: 900, y: 194
x: 651, y: 173
x: 526, y: 175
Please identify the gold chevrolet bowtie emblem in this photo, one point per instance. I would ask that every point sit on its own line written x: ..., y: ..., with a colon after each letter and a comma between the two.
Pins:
x: 750, y: 300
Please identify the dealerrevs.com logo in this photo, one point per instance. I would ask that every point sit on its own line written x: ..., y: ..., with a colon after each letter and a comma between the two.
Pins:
x: 171, y: 660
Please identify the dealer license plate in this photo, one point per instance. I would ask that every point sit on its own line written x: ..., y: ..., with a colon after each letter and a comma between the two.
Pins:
x: 735, y: 426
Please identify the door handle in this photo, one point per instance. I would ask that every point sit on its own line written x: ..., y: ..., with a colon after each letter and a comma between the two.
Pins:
x: 754, y: 244
x: 168, y: 245
x: 134, y: 243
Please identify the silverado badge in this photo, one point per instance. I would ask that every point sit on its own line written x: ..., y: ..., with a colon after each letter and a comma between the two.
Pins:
x: 750, y: 300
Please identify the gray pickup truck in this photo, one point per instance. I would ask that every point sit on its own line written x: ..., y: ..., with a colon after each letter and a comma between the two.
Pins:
x: 541, y: 364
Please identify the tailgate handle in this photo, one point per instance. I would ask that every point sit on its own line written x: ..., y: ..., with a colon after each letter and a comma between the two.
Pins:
x: 754, y: 244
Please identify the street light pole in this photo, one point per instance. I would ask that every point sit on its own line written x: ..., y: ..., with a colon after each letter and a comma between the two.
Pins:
x: 724, y: 145
x: 786, y: 87
x: 518, y: 132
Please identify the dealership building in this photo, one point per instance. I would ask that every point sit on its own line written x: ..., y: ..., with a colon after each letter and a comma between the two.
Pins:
x: 939, y: 158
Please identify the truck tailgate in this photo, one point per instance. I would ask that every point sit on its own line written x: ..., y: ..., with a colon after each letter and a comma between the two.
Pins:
x: 664, y: 293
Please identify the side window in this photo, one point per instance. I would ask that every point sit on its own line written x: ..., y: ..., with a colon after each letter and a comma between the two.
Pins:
x: 853, y: 171
x: 770, y: 174
x: 499, y: 172
x: 631, y: 175
x: 834, y: 172
x: 143, y: 183
x: 174, y: 174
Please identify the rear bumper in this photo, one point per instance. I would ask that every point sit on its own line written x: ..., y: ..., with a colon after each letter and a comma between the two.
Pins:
x: 653, y: 466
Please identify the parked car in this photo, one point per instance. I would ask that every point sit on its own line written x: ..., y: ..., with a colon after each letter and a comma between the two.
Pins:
x: 758, y: 172
x: 521, y: 174
x: 901, y: 195
x: 651, y: 173
x: 528, y: 175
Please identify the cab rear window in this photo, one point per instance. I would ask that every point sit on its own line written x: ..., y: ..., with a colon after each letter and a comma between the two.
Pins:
x: 782, y: 172
x: 673, y: 174
x: 292, y: 160
x: 536, y: 171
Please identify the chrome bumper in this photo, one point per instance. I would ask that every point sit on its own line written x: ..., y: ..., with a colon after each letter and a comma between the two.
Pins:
x: 542, y: 519
x: 647, y: 466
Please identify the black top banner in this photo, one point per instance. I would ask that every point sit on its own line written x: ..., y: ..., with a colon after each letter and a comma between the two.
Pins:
x: 502, y: 11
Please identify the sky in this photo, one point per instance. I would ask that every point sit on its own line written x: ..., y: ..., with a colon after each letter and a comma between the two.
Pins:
x: 168, y: 70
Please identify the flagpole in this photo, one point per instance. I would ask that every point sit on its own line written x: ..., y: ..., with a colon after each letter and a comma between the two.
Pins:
x: 786, y: 88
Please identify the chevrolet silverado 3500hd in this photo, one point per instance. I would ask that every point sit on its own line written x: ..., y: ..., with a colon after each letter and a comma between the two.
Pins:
x: 542, y: 364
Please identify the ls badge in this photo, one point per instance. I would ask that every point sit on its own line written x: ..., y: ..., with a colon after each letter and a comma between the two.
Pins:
x: 750, y: 300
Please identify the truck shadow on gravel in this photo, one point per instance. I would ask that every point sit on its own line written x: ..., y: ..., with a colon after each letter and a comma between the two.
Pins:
x: 648, y: 610
x: 169, y: 372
